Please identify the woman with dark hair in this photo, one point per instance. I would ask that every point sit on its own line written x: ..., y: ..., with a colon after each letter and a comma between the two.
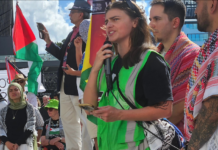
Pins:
x: 17, y: 122
x: 139, y: 75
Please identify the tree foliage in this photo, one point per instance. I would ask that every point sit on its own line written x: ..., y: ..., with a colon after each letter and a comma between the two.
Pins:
x: 59, y: 44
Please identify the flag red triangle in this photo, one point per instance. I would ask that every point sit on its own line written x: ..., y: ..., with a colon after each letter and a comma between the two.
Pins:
x: 12, y: 70
x: 22, y: 33
x: 90, y: 1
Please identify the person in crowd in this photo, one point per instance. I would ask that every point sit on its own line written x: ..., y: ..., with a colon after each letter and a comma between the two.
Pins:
x: 42, y: 110
x: 53, y: 135
x: 201, y: 102
x: 39, y: 103
x: 166, y: 21
x: 56, y: 96
x: 32, y: 99
x: 139, y: 74
x: 20, y: 79
x: 17, y: 121
x: 3, y: 102
x: 92, y: 128
x: 70, y: 112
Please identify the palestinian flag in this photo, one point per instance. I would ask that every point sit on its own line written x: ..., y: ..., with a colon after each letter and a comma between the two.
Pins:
x: 94, y: 42
x: 12, y: 70
x: 54, y: 131
x: 26, y: 48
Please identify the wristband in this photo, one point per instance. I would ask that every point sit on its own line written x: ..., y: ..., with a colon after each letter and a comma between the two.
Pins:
x: 48, y: 142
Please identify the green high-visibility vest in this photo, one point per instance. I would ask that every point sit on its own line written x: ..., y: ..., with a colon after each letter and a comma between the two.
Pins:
x: 121, y: 135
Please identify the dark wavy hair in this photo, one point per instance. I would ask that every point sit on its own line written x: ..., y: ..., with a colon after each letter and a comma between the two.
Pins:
x: 140, y: 37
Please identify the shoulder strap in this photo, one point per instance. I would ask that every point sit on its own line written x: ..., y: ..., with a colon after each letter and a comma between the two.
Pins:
x: 127, y: 101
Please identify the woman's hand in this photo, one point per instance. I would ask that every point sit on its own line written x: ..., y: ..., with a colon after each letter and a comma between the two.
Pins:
x: 107, y: 113
x: 101, y: 55
x: 15, y: 147
x: 78, y: 43
x: 9, y: 145
x: 59, y: 145
x: 55, y: 140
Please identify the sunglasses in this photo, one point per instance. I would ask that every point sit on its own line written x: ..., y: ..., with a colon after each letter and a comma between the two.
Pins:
x: 49, y: 109
x: 131, y: 6
x: 19, y: 81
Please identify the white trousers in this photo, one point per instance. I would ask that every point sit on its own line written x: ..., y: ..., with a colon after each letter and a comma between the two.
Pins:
x: 71, y: 115
x: 21, y: 147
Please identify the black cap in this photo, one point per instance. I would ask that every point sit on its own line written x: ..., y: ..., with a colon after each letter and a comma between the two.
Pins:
x: 81, y: 5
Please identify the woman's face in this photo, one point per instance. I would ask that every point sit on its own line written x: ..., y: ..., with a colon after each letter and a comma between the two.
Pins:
x: 14, y: 92
x: 118, y: 25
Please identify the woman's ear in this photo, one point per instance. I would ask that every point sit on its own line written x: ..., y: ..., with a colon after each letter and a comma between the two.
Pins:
x: 135, y: 22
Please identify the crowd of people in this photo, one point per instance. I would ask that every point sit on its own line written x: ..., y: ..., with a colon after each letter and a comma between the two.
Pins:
x: 162, y: 97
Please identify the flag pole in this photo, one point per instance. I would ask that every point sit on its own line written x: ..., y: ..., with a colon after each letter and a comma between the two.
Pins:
x: 15, y: 65
x: 15, y: 53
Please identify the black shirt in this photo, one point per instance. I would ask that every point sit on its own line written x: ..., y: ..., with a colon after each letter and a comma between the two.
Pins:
x: 15, y: 127
x: 44, y: 113
x: 153, y: 84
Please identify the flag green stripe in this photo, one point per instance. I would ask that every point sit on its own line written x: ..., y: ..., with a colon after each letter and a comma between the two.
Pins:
x: 84, y: 78
x: 32, y: 77
x: 54, y: 132
x: 29, y: 52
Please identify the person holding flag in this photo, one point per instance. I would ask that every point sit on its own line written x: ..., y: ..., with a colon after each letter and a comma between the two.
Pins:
x: 70, y: 112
